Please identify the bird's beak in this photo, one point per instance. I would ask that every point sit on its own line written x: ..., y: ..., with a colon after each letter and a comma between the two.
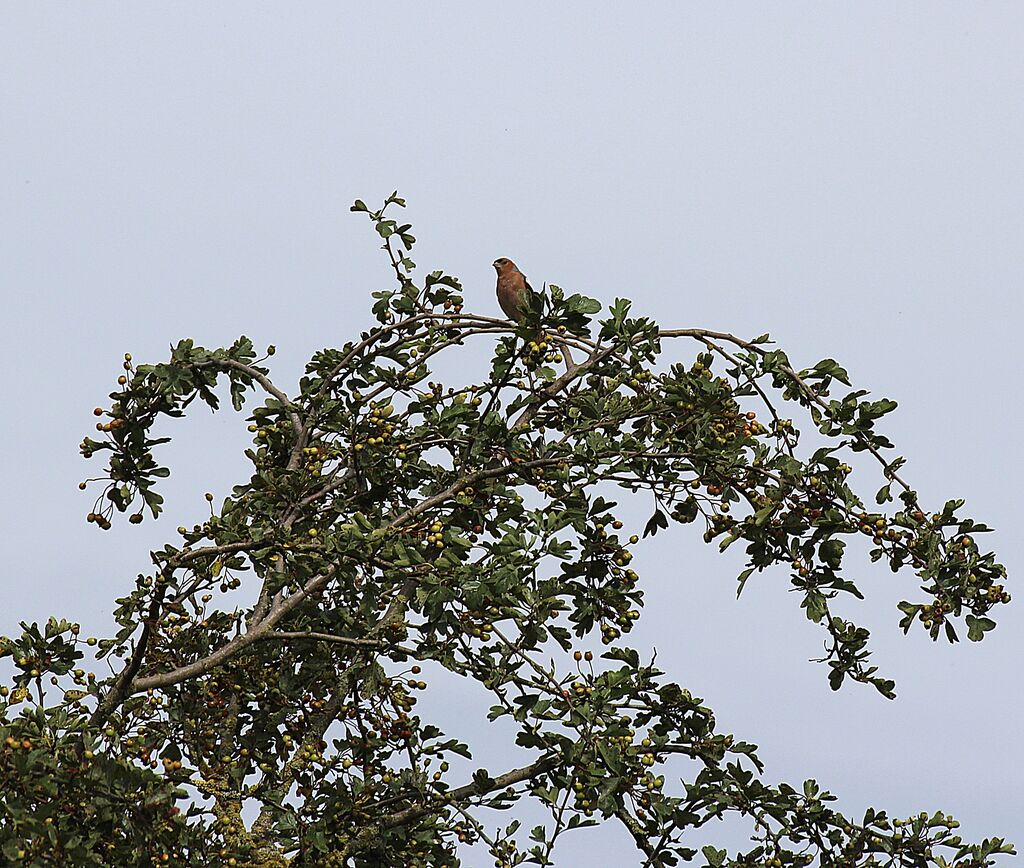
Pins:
x: 494, y: 264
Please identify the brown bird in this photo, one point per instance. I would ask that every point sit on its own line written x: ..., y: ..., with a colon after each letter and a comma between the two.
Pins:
x: 514, y: 292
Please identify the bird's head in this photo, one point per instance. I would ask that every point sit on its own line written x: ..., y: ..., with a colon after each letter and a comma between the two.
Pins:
x: 502, y: 263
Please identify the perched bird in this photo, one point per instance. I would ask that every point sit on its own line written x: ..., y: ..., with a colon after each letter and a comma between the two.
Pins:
x: 514, y: 292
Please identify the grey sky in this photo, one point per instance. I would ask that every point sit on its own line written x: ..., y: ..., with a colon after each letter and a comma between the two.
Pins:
x: 847, y: 177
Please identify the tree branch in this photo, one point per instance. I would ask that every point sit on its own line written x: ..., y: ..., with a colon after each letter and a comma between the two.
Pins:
x: 468, y: 479
x: 460, y: 794
x: 321, y: 637
x: 256, y: 633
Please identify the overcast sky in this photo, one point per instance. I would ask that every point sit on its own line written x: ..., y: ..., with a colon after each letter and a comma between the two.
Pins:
x: 845, y: 176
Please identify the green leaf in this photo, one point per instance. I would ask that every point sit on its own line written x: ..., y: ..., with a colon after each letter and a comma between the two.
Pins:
x: 836, y: 676
x: 742, y: 580
x: 815, y: 606
x: 482, y: 779
x: 656, y: 521
x: 978, y: 627
x: 581, y: 304
x: 715, y: 857
x: 831, y: 552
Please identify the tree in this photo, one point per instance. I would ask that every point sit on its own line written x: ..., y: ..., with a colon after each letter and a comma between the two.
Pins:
x: 393, y: 522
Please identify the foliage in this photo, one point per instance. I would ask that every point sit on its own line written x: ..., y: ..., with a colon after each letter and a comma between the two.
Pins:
x: 393, y: 522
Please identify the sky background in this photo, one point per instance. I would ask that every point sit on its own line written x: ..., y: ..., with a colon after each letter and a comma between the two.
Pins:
x: 847, y: 177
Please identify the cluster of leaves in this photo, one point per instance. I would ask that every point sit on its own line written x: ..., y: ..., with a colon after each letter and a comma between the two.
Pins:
x: 392, y: 522
x: 65, y: 800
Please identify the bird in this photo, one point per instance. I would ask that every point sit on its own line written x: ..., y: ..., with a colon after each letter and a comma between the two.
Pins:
x: 514, y: 291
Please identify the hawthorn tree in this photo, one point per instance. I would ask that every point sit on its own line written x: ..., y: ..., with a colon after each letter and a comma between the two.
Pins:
x: 393, y: 521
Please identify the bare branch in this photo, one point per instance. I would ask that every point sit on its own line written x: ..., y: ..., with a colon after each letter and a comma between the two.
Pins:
x: 463, y: 481
x: 321, y: 637
x: 468, y: 791
x: 573, y: 370
x: 199, y: 667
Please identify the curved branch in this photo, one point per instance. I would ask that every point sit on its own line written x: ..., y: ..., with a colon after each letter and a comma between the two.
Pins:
x: 467, y: 791
x: 468, y: 479
x: 801, y: 384
x: 225, y: 652
x: 321, y: 637
x: 573, y: 370
x: 255, y: 374
x: 273, y: 391
x: 123, y: 686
